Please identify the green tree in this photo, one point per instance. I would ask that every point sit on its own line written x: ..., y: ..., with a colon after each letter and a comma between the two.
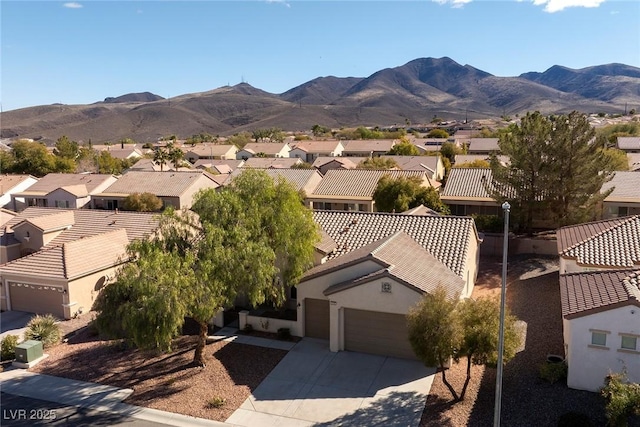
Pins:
x: 404, y: 148
x: 7, y: 161
x: 378, y: 163
x: 142, y: 202
x: 403, y: 193
x: 66, y: 148
x: 161, y: 157
x: 450, y: 150
x: 622, y: 399
x: 438, y: 133
x: 268, y: 135
x: 175, y: 155
x: 442, y: 328
x: 525, y: 181
x: 240, y: 139
x: 32, y: 158
x: 253, y: 238
x: 318, y: 130
x: 479, y: 163
x: 616, y: 159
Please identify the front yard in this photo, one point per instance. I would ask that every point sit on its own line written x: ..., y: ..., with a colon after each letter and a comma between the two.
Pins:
x: 533, y: 295
x: 167, y: 382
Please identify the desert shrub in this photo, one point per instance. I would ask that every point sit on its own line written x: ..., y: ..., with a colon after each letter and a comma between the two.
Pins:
x: 215, y: 402
x: 553, y: 372
x: 574, y: 419
x: 8, y: 347
x: 43, y: 328
x: 284, y: 334
x: 622, y: 399
x: 248, y: 328
x: 488, y: 223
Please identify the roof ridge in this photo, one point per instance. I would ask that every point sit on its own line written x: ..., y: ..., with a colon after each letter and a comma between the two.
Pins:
x: 386, y: 241
x: 631, y: 284
x: 622, y: 222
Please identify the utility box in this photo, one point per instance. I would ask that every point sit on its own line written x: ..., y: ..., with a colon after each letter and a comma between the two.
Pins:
x: 29, y: 351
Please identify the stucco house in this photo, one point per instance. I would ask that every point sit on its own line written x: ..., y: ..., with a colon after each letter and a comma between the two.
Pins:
x: 373, y: 268
x: 219, y: 166
x: 210, y: 151
x: 122, y: 152
x: 303, y: 180
x: 367, y: 147
x: 267, y: 149
x: 309, y: 151
x: 271, y: 162
x: 482, y: 145
x: 174, y: 188
x: 324, y: 164
x: 601, y: 326
x: 63, y: 190
x: 57, y: 260
x: 431, y: 164
x: 600, y: 245
x: 352, y: 189
x: 466, y: 192
x: 625, y: 198
x: 11, y: 184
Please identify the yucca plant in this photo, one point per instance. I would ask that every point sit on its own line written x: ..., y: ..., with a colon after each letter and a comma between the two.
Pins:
x: 43, y: 328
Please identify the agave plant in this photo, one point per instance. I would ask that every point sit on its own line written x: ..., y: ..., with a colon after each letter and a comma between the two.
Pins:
x: 43, y: 328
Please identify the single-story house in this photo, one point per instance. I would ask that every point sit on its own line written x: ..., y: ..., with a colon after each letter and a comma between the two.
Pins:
x: 611, y: 244
x: 601, y: 326
x: 430, y: 164
x: 324, y: 164
x: 10, y: 184
x: 625, y: 198
x: 629, y: 144
x: 461, y: 159
x: 57, y: 260
x: 304, y: 180
x: 482, y: 145
x: 271, y: 162
x: 368, y: 147
x: 210, y: 151
x: 266, y: 149
x: 122, y: 152
x: 219, y: 166
x: 377, y: 266
x: 352, y: 189
x: 63, y: 190
x: 174, y: 188
x: 466, y: 192
x: 309, y: 151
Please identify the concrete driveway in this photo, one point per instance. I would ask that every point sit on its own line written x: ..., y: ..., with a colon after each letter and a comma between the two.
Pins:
x: 312, y: 386
x: 14, y: 322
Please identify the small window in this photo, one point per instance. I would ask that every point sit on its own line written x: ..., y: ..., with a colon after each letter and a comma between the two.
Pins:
x: 599, y: 338
x: 628, y: 342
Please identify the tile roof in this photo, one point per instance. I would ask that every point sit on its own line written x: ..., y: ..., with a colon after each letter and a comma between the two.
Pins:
x: 634, y: 161
x: 611, y: 243
x: 400, y: 257
x: 626, y: 187
x: 585, y: 293
x: 86, y: 223
x: 629, y: 143
x: 73, y: 259
x: 302, y: 179
x: 7, y: 182
x: 215, y: 163
x: 162, y: 184
x: 420, y: 210
x: 53, y: 181
x: 467, y: 183
x: 123, y: 153
x: 319, y: 146
x: 445, y: 237
x: 271, y: 162
x: 368, y: 145
x: 265, y: 147
x: 205, y: 149
x: 417, y: 163
x: 52, y: 220
x: 483, y: 144
x: 79, y: 190
x: 357, y: 182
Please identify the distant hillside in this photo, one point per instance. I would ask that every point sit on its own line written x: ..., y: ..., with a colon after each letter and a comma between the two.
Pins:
x: 415, y: 92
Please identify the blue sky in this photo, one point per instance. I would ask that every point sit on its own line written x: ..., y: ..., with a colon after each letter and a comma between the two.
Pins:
x: 84, y: 51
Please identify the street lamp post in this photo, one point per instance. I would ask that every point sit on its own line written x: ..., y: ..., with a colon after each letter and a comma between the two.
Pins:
x: 505, y: 249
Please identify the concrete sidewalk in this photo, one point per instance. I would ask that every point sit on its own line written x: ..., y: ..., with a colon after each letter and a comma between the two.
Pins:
x: 20, y: 382
x: 230, y: 334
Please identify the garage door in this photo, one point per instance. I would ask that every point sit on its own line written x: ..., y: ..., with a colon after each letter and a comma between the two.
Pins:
x: 36, y: 299
x: 316, y: 318
x: 377, y: 333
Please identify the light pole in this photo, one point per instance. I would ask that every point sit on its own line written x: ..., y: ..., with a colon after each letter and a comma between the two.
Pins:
x: 505, y: 249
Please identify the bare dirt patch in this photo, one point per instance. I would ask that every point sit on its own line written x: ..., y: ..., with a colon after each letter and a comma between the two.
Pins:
x: 533, y: 295
x: 166, y: 382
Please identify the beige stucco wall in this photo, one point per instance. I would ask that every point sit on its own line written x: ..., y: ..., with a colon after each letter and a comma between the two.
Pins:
x: 588, y: 364
x: 470, y: 271
x: 63, y: 199
x: 83, y: 291
x: 611, y: 209
x: 186, y: 198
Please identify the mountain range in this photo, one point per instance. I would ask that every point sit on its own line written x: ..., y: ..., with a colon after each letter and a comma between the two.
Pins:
x: 414, y: 92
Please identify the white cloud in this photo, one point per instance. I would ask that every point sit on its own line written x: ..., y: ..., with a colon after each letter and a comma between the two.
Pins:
x: 456, y: 4
x: 552, y: 6
x: 73, y: 5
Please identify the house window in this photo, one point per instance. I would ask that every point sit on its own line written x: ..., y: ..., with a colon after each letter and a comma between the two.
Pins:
x: 623, y: 211
x: 294, y: 292
x: 628, y: 342
x: 62, y: 203
x: 598, y: 338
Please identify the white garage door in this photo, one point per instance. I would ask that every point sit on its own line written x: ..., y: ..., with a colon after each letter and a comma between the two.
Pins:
x: 36, y: 299
x: 377, y: 333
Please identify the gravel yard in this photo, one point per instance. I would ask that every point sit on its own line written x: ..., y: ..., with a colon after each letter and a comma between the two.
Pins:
x: 167, y: 382
x: 533, y: 295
